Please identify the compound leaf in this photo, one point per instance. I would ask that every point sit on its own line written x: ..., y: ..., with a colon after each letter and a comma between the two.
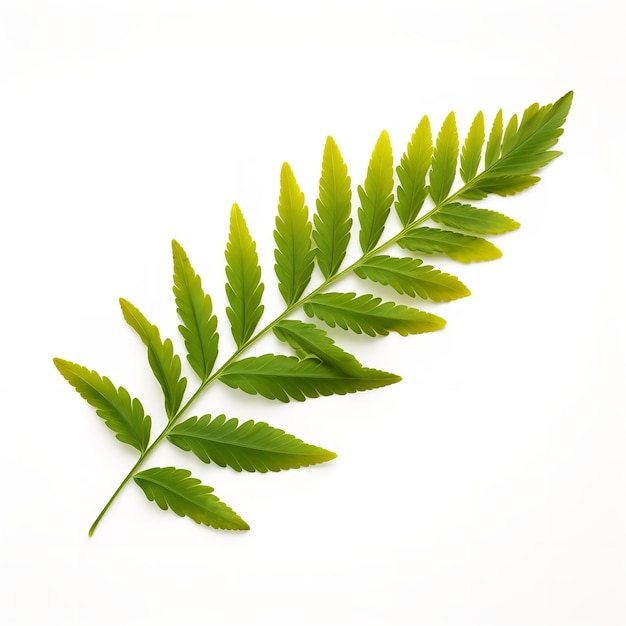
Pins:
x: 164, y: 363
x: 244, y: 288
x: 251, y: 446
x: 199, y: 327
x: 414, y: 164
x: 370, y: 315
x: 121, y: 413
x: 279, y: 377
x: 474, y: 220
x: 332, y: 222
x: 176, y: 489
x: 293, y: 254
x: 409, y: 276
x: 464, y: 248
x: 376, y: 194
x: 445, y: 157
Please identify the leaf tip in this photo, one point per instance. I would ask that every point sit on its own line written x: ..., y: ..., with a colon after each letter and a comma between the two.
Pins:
x: 285, y: 170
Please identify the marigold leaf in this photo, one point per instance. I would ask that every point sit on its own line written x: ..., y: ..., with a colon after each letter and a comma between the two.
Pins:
x: 199, y: 327
x: 332, y: 222
x: 176, y: 489
x: 414, y: 165
x: 370, y: 315
x: 376, y: 194
x: 409, y: 276
x: 163, y: 362
x: 121, y: 413
x: 492, y: 151
x: 445, y: 155
x: 293, y: 254
x: 250, y: 446
x: 244, y: 288
x: 472, y: 148
x: 464, y: 248
x: 279, y: 377
x: 474, y: 220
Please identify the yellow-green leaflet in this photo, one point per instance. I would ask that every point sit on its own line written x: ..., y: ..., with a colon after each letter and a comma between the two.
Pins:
x: 195, y: 309
x: 437, y: 189
x: 176, y: 489
x: 244, y: 288
x: 251, y: 446
x: 414, y: 165
x: 376, y: 194
x: 332, y: 222
x: 293, y: 254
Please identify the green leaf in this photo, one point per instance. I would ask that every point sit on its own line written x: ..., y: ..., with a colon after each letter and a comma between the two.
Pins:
x: 445, y: 155
x: 500, y: 185
x: 409, y: 276
x: 492, y: 151
x: 164, y: 363
x: 370, y: 315
x: 414, y: 165
x: 293, y: 254
x: 525, y: 149
x: 464, y: 248
x: 279, y: 377
x: 376, y: 194
x: 474, y: 220
x: 472, y: 148
x: 121, y: 413
x: 332, y: 222
x: 175, y: 489
x: 251, y: 446
x: 199, y: 327
x: 244, y: 288
x: 310, y: 341
x: 509, y: 135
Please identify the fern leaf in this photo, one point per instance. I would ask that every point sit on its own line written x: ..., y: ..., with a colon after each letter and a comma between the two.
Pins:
x: 445, y: 157
x: 370, y: 315
x: 310, y: 341
x: 293, y: 254
x: 121, y: 413
x: 244, y: 288
x: 464, y: 248
x: 332, y: 222
x: 251, y: 446
x: 509, y: 134
x: 525, y: 149
x: 199, y: 327
x: 164, y: 363
x: 474, y: 220
x: 500, y: 185
x: 411, y: 277
x: 279, y: 377
x: 492, y: 151
x: 414, y: 165
x: 376, y: 194
x: 176, y: 489
x: 472, y: 148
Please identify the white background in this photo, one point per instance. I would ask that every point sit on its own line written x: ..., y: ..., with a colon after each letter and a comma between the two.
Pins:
x: 487, y: 488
